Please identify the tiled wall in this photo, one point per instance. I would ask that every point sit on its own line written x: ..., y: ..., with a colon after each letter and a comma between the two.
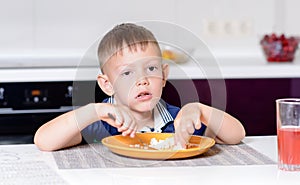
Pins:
x: 60, y: 26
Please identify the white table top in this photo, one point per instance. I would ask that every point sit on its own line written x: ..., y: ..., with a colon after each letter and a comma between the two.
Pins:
x: 243, y: 174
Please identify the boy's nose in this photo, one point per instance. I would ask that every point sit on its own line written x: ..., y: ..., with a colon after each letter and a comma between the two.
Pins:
x: 142, y: 81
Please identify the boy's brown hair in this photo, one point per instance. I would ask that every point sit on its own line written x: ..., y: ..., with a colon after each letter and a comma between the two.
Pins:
x: 124, y: 35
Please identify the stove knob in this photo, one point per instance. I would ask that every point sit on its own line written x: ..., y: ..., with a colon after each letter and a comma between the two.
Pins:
x: 1, y: 93
x: 36, y: 99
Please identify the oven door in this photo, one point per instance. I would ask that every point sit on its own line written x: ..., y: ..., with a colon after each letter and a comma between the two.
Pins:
x: 25, y: 106
x: 19, y: 126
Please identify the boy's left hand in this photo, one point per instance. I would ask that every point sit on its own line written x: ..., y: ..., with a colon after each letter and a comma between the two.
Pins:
x: 185, y: 123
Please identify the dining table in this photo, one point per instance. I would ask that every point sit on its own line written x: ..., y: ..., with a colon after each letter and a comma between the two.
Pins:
x: 253, y: 161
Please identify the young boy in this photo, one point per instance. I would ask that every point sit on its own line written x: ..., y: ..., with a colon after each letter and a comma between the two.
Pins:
x: 133, y: 76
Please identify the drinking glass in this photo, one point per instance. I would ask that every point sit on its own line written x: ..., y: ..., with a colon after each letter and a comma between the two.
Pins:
x: 288, y: 133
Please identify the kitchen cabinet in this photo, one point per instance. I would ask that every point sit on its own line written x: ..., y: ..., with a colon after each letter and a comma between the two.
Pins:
x: 252, y: 101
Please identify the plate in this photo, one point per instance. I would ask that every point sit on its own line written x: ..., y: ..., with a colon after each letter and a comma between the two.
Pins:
x: 123, y: 145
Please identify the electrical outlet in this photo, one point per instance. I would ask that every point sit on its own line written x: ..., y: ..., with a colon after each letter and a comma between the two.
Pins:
x: 227, y: 28
x: 246, y: 27
x: 211, y: 27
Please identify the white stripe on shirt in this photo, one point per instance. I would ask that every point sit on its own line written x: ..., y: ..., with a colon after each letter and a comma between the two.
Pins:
x: 161, y: 116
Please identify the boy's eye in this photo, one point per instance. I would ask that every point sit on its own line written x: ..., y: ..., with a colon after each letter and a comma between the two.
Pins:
x: 152, y: 68
x: 126, y: 73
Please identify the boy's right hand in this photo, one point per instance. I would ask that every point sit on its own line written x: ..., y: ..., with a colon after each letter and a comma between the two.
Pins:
x: 119, y: 117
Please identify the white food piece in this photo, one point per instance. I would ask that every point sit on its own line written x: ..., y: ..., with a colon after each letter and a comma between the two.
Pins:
x: 167, y: 144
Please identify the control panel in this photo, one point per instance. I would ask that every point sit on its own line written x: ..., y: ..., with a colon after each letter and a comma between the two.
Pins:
x: 36, y: 95
x: 48, y: 95
x: 3, y: 101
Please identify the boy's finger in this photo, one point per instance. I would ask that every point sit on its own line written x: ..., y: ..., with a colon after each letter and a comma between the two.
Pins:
x: 133, y: 132
x: 127, y: 124
x: 190, y: 128
x: 112, y: 121
x: 125, y: 133
x: 198, y: 124
x: 179, y: 137
x: 128, y: 131
x: 185, y: 138
x: 123, y: 128
x: 119, y: 119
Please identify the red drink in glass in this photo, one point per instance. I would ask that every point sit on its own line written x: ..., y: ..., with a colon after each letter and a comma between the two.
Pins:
x: 289, y: 147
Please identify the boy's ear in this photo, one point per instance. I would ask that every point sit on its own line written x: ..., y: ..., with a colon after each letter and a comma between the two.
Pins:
x: 165, y: 70
x: 105, y: 85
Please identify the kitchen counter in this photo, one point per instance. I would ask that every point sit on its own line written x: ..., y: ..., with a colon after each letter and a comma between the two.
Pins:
x: 62, y: 69
x: 44, y: 162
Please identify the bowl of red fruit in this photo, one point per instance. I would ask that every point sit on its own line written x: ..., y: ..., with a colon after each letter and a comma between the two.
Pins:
x: 279, y: 48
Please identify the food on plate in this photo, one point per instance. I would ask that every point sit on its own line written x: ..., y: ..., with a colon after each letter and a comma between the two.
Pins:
x: 139, y: 146
x: 161, y: 144
x: 167, y: 144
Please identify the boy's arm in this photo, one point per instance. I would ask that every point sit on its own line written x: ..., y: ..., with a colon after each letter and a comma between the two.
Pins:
x: 64, y: 130
x: 221, y: 126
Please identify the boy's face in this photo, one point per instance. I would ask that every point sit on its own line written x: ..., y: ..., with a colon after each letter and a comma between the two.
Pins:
x: 137, y: 77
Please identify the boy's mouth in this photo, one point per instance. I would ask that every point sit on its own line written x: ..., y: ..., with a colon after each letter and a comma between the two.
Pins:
x: 143, y: 95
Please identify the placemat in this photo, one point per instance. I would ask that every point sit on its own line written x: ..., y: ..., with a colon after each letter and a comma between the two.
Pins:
x: 98, y: 156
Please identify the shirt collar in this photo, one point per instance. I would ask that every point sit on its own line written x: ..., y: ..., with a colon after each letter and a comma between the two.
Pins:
x: 161, y: 116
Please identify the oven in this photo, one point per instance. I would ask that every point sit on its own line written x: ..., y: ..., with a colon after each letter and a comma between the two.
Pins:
x: 25, y: 106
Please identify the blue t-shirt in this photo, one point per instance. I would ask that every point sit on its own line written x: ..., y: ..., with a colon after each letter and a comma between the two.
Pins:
x: 100, y: 129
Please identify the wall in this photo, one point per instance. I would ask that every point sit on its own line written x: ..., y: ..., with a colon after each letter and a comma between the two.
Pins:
x: 54, y: 27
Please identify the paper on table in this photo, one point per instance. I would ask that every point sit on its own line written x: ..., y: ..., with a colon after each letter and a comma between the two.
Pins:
x: 28, y: 172
x: 23, y: 165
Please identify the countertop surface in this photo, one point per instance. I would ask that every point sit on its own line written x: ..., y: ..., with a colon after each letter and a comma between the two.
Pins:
x: 72, y: 68
x: 19, y: 159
